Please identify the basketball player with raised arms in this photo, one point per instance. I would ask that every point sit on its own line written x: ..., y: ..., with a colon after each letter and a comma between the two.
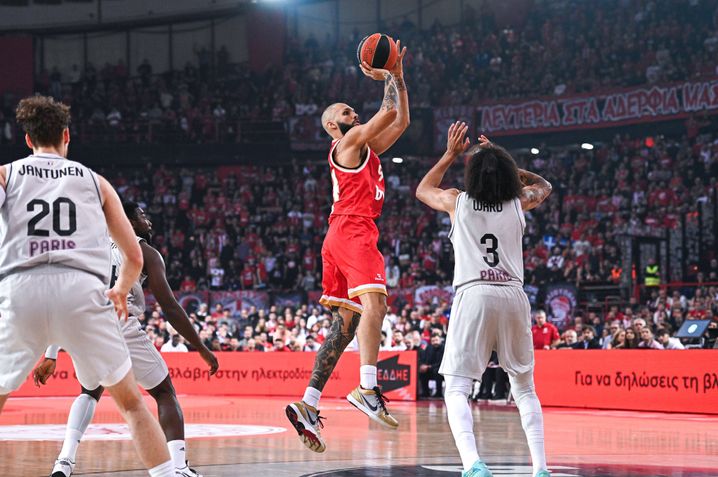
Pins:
x: 55, y: 215
x: 149, y: 368
x: 490, y: 310
x: 353, y: 281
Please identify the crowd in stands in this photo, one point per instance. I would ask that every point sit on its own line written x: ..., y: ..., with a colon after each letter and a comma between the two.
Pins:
x: 261, y: 228
x: 558, y: 49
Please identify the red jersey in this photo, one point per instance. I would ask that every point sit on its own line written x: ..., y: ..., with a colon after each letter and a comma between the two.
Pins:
x: 360, y: 191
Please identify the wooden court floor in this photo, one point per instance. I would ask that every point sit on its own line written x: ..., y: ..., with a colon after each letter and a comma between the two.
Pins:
x: 251, y: 437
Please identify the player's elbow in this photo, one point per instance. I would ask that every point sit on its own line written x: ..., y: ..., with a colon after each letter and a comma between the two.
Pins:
x: 133, y: 257
x: 421, y: 194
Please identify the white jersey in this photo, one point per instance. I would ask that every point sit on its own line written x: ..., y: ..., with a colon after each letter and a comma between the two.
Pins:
x: 487, y: 242
x: 136, y: 295
x: 52, y: 215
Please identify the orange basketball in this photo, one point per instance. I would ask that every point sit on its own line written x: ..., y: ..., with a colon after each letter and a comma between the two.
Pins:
x: 379, y: 50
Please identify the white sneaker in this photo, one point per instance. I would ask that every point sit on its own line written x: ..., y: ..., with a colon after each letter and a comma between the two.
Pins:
x: 186, y: 471
x: 63, y: 468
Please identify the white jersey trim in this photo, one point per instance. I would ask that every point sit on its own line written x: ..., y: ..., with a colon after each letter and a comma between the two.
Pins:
x: 456, y: 216
x: 344, y: 169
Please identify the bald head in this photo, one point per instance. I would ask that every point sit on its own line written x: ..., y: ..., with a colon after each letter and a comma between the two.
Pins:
x: 336, y: 114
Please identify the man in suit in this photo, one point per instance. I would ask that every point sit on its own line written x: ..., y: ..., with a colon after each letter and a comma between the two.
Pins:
x: 429, y: 363
x: 589, y: 340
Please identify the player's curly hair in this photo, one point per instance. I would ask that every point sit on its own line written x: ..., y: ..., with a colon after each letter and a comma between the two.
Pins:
x: 491, y: 175
x: 43, y: 119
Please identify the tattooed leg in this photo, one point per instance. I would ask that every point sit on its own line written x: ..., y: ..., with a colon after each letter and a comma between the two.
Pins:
x: 340, y: 335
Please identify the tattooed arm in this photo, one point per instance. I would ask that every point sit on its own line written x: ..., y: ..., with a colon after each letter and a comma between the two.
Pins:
x: 536, y: 189
x: 340, y: 335
x: 395, y: 97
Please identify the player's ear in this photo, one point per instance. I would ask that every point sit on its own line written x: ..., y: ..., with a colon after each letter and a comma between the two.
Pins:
x: 28, y: 141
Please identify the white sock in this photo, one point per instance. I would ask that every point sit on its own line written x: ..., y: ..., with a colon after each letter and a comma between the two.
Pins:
x: 461, y: 420
x: 367, y: 376
x: 178, y: 453
x: 522, y: 387
x: 312, y: 396
x: 163, y: 470
x: 81, y: 412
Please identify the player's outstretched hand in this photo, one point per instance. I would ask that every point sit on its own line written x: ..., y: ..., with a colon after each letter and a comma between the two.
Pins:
x: 457, y: 142
x: 209, y: 358
x: 377, y: 74
x: 484, y: 141
x: 119, y: 300
x: 43, y: 371
x: 398, y: 70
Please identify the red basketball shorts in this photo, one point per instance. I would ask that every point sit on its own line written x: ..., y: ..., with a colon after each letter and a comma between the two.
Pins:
x: 351, y: 262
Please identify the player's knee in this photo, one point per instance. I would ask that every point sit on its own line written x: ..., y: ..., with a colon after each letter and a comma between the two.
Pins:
x: 522, y: 386
x: 457, y: 386
x: 95, y: 394
x: 164, y: 391
x: 376, y: 310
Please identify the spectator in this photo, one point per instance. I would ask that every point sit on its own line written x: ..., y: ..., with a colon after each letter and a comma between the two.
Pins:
x: 664, y: 338
x: 545, y: 334
x: 589, y: 340
x: 647, y: 340
x: 570, y: 338
x: 429, y: 363
x: 175, y: 345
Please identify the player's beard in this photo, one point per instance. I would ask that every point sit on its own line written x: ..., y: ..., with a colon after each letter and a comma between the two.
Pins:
x: 344, y: 127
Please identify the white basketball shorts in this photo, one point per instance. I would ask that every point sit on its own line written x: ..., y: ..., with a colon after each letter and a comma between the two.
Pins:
x: 53, y: 305
x: 485, y: 318
x: 147, y: 363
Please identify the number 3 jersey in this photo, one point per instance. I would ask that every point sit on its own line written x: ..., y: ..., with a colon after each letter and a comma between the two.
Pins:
x: 487, y: 242
x: 52, y: 215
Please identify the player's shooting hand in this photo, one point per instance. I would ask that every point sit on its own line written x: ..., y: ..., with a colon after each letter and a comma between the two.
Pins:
x: 377, y: 74
x: 457, y: 142
x: 209, y: 358
x: 484, y: 141
x: 43, y: 371
x: 398, y: 70
x: 119, y: 300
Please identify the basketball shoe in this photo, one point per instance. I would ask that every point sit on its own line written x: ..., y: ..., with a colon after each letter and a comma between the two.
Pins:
x: 543, y: 473
x: 307, y: 422
x: 63, y: 468
x: 186, y: 471
x: 373, y: 403
x: 479, y: 469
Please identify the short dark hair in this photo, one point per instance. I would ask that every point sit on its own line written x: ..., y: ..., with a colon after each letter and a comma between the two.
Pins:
x: 130, y: 209
x: 492, y: 176
x: 43, y: 119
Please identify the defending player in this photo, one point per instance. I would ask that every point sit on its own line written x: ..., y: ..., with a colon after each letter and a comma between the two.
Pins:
x: 150, y: 369
x: 54, y: 269
x: 353, y: 282
x: 491, y: 310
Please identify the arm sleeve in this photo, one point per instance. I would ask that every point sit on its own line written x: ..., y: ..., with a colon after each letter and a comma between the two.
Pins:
x: 52, y: 351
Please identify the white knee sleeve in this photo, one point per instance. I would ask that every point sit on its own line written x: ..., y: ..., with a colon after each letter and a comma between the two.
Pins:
x: 458, y: 386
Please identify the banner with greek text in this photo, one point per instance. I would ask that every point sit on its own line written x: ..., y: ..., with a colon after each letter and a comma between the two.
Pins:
x: 256, y: 374
x: 603, y: 110
x: 639, y: 380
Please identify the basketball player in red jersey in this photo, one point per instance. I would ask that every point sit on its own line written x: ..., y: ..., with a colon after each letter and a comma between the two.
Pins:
x: 353, y: 282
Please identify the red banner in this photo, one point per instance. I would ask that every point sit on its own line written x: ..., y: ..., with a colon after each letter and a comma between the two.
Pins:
x: 257, y: 374
x: 601, y: 110
x: 638, y: 380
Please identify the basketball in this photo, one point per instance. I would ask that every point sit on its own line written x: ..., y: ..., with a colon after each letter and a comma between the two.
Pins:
x: 379, y: 50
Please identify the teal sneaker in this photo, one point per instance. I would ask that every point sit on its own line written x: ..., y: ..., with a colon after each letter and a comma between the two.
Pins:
x: 479, y: 469
x: 543, y: 473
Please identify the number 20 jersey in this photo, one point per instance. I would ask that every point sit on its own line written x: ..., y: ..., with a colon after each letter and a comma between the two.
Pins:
x: 487, y: 241
x: 52, y: 215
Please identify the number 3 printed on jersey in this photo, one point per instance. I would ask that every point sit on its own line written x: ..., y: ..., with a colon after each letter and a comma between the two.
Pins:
x: 492, y: 246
